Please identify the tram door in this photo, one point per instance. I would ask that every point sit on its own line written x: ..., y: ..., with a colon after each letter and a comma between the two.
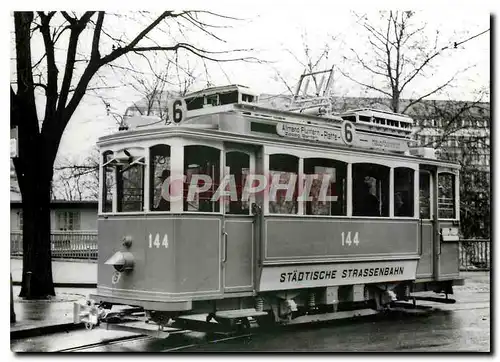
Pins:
x: 238, y: 245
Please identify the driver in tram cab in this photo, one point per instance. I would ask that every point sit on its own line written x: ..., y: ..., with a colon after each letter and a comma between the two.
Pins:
x: 371, y: 204
x: 162, y: 204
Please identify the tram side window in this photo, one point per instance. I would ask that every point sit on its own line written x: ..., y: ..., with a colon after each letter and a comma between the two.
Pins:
x: 446, y: 196
x: 202, y: 171
x: 425, y: 192
x: 317, y: 170
x: 130, y: 182
x: 159, y: 173
x: 238, y: 168
x: 109, y: 175
x: 403, y: 191
x: 370, y: 190
x: 283, y: 170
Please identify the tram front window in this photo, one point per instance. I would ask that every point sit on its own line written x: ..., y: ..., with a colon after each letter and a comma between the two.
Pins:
x: 403, y: 191
x: 160, y: 171
x: 446, y: 196
x: 202, y: 171
x: 370, y: 190
x: 317, y: 171
x: 108, y: 182
x: 425, y: 192
x: 238, y: 168
x: 283, y: 171
x: 130, y: 187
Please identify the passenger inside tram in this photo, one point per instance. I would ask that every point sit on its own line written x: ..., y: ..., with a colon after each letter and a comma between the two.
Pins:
x: 400, y: 208
x: 162, y: 204
x: 371, y: 204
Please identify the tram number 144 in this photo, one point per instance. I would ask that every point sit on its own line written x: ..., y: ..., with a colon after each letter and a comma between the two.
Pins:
x: 346, y: 238
x: 156, y: 241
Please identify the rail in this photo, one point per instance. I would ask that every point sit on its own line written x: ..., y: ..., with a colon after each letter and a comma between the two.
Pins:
x: 475, y: 254
x: 64, y: 244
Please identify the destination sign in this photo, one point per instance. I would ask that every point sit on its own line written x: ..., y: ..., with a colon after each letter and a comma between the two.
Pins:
x: 311, y: 133
x: 334, y: 136
x: 302, y: 276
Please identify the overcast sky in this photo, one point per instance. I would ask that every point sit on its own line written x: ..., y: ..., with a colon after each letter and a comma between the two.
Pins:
x: 277, y: 32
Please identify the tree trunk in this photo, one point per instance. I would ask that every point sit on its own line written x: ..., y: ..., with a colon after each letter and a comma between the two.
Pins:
x: 12, y: 312
x: 37, y: 280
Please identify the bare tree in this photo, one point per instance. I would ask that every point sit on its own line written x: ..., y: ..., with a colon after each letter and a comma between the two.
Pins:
x: 156, y: 89
x: 64, y: 74
x: 397, y: 56
x: 77, y: 180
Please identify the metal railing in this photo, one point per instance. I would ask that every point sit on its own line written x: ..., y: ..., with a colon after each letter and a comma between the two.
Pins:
x: 64, y: 244
x: 474, y: 254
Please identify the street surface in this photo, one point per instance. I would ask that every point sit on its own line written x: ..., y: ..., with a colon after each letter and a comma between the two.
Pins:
x: 463, y: 326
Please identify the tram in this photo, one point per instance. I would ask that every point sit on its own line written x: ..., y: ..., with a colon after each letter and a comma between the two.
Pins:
x: 271, y: 249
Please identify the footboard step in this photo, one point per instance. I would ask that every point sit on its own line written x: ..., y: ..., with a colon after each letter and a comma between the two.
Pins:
x: 141, y: 327
x: 333, y: 316
x: 438, y: 300
x: 239, y: 313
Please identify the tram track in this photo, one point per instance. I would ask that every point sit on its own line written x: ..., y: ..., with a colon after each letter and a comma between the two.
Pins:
x: 185, y: 340
x: 143, y: 338
x: 115, y: 341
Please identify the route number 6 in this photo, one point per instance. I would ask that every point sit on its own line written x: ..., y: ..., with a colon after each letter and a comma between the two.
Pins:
x: 156, y: 241
x: 177, y: 110
x: 346, y: 239
x: 348, y: 132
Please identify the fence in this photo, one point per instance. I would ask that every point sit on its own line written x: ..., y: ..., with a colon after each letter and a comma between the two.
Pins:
x: 475, y: 254
x: 64, y: 244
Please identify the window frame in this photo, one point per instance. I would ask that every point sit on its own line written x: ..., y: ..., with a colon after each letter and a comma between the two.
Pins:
x: 67, y: 215
x: 150, y: 178
x: 342, y: 198
x: 455, y: 192
x: 221, y: 162
x: 413, y: 195
x: 251, y: 155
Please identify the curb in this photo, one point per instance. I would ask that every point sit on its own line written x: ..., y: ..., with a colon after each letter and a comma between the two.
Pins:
x: 68, y: 285
x: 44, y: 330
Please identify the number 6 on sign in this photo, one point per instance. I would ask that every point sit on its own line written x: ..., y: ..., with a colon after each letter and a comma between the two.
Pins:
x: 177, y: 110
x: 156, y: 241
x: 348, y: 133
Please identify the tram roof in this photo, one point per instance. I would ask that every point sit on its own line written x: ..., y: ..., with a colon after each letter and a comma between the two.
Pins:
x: 213, y: 132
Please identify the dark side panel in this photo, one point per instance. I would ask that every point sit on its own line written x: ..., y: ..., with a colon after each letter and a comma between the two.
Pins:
x: 296, y: 238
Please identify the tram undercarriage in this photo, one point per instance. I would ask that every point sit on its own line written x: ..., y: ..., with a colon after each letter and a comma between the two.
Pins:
x: 268, y: 309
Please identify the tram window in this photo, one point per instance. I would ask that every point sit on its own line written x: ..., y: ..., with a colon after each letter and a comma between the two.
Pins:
x: 228, y: 98
x: 246, y: 98
x: 130, y: 187
x: 109, y: 174
x: 349, y: 118
x: 337, y: 188
x: 237, y: 166
x: 195, y: 103
x: 159, y: 172
x: 370, y: 190
x: 403, y: 191
x: 446, y: 196
x: 284, y: 168
x: 200, y: 163
x: 425, y: 192
x: 212, y: 100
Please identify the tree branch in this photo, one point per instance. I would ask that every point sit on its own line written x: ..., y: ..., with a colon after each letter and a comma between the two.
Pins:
x: 94, y: 55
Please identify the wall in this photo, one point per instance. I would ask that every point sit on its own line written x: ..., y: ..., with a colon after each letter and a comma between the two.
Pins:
x: 88, y: 218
